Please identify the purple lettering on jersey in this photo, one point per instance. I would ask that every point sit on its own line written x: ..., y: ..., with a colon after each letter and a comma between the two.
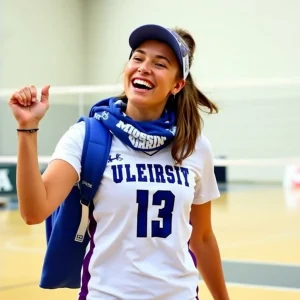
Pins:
x: 150, y: 173
x: 169, y: 173
x: 129, y: 176
x: 159, y: 172
x: 141, y: 176
x: 117, y: 173
x: 185, y: 172
x: 177, y: 169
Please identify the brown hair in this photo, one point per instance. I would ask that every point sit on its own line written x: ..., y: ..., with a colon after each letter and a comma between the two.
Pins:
x: 188, y: 103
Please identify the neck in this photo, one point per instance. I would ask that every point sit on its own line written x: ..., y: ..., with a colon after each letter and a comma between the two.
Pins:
x: 143, y: 114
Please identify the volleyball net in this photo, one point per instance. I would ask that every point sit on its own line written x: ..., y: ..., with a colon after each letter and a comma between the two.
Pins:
x: 254, y: 136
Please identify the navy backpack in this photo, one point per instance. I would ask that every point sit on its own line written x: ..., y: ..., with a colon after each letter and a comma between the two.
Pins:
x: 66, y: 229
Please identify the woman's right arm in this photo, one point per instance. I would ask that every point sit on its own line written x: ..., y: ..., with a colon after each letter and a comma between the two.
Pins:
x: 38, y: 195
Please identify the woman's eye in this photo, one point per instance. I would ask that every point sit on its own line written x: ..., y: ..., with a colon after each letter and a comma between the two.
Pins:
x: 160, y: 65
x: 137, y: 58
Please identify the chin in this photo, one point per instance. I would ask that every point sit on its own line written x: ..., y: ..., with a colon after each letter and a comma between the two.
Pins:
x: 139, y: 101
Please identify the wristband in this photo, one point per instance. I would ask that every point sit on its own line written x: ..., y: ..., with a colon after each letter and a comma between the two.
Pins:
x: 32, y: 130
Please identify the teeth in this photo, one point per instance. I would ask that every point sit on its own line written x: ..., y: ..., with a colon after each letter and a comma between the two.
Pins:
x: 142, y: 82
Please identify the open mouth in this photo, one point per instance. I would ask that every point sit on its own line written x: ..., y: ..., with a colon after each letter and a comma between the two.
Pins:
x: 142, y: 84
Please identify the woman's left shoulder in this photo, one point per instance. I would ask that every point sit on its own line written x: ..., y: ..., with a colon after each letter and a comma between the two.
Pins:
x: 203, y: 144
x: 202, y: 152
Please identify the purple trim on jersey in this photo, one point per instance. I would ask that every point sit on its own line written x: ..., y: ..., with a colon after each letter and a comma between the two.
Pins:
x: 193, y: 257
x: 195, y: 263
x: 197, y: 291
x: 86, y: 276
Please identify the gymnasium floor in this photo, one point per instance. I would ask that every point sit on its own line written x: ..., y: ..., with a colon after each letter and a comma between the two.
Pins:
x: 257, y: 227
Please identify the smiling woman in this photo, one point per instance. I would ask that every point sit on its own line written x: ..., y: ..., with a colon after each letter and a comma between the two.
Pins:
x: 157, y: 76
x: 151, y: 76
x: 150, y: 220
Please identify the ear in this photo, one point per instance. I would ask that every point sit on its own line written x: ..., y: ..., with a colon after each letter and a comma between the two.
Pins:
x: 178, y: 86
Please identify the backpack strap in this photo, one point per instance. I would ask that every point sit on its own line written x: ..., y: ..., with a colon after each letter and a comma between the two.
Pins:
x: 66, y: 229
x: 93, y: 165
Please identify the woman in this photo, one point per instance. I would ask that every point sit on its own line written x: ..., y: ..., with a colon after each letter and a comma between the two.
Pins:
x: 154, y: 204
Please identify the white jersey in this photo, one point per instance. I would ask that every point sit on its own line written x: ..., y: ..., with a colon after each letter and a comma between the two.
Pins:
x: 140, y: 224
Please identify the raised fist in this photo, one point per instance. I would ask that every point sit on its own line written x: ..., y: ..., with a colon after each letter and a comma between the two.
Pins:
x: 27, y: 108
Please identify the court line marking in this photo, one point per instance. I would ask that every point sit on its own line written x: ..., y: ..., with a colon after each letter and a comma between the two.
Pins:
x: 17, y: 286
x: 12, y: 244
x: 261, y: 240
x: 261, y: 262
x: 8, y: 246
x: 264, y: 287
x: 31, y: 250
x: 260, y: 287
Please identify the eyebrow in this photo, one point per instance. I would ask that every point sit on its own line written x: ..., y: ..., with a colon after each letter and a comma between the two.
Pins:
x: 157, y: 56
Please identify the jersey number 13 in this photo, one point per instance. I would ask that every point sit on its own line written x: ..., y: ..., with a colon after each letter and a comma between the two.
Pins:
x: 165, y: 213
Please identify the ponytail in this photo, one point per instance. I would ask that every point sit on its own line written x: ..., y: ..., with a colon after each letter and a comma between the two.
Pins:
x: 188, y: 104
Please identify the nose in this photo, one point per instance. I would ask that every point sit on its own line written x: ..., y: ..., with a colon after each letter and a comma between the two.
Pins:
x: 144, y: 68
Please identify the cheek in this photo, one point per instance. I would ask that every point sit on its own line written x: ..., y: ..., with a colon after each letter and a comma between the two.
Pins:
x: 129, y: 69
x: 166, y: 83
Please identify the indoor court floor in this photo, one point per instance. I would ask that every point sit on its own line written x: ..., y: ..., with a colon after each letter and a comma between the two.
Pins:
x: 257, y: 227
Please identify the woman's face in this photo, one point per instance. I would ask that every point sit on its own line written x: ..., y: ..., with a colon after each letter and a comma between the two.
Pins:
x: 151, y: 76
